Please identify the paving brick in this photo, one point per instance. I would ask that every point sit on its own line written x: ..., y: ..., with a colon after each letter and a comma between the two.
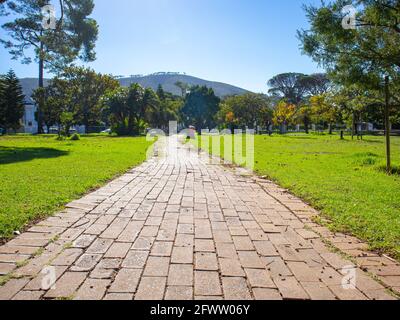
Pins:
x: 86, y: 262
x: 290, y: 289
x: 259, y: 278
x: 151, y: 288
x: 67, y: 257
x: 11, y: 288
x: 67, y: 285
x: 6, y: 268
x: 84, y: 241
x: 118, y: 297
x: 135, y: 260
x: 118, y: 250
x: 162, y: 249
x: 266, y: 294
x: 126, y: 281
x: 265, y: 248
x: 100, y: 246
x: 318, y: 291
x: 28, y: 295
x: 157, y: 267
x: 250, y: 259
x: 231, y: 267
x: 179, y: 293
x: 206, y: 261
x: 180, y: 275
x: 243, y: 243
x: 92, y: 289
x: 226, y: 250
x: 182, y: 255
x: 207, y: 284
x: 204, y: 245
x: 235, y: 289
x: 303, y: 272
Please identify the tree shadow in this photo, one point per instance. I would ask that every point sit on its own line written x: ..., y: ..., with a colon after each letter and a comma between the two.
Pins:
x: 10, y: 155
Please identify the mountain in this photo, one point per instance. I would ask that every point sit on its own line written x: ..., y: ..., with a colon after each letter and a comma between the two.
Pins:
x: 167, y: 80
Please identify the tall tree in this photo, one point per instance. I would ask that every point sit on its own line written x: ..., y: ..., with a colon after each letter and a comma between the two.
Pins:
x: 129, y: 108
x: 366, y: 54
x: 88, y: 88
x: 12, y: 104
x: 184, y: 88
x: 284, y: 114
x: 56, y: 42
x: 57, y: 104
x: 201, y: 108
x: 289, y: 86
x: 246, y: 110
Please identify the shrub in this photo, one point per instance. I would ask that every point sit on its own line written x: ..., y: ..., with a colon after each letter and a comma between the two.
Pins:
x: 75, y: 137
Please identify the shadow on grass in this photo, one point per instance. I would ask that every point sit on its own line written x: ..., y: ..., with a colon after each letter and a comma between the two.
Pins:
x: 10, y: 155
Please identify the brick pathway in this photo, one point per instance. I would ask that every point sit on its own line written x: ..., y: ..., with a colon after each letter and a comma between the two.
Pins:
x: 181, y: 228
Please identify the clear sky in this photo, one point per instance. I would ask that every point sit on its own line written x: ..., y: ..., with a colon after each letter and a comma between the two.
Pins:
x: 240, y: 42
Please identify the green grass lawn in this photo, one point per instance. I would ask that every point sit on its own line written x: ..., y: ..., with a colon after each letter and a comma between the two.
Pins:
x: 38, y: 175
x: 341, y: 178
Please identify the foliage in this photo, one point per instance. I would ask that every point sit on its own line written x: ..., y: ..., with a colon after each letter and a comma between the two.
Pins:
x: 129, y: 108
x: 73, y: 37
x: 245, y: 111
x: 88, y: 88
x: 323, y: 111
x: 75, y: 137
x: 284, y: 113
x: 57, y: 106
x: 12, y: 102
x: 200, y: 108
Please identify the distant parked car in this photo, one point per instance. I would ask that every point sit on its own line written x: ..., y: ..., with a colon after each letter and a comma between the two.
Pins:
x: 107, y: 131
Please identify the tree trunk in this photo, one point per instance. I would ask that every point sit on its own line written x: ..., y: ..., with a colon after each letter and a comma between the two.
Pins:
x: 41, y: 85
x: 330, y: 129
x: 353, y: 129
x: 86, y: 124
x: 387, y: 126
x: 306, y: 126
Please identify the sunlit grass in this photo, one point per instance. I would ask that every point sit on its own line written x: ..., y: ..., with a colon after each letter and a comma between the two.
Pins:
x: 342, y: 178
x: 38, y: 175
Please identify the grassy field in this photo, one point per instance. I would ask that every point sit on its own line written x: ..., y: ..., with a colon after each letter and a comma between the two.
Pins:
x: 341, y: 178
x: 38, y: 175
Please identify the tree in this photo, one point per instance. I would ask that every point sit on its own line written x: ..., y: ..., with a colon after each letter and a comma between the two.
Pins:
x: 57, y: 104
x: 183, y: 86
x: 165, y: 111
x: 366, y: 54
x: 322, y: 111
x: 248, y: 110
x: 289, y: 86
x: 88, y: 88
x: 129, y: 107
x: 200, y: 108
x: 284, y: 114
x: 12, y: 102
x: 72, y: 36
x: 316, y: 84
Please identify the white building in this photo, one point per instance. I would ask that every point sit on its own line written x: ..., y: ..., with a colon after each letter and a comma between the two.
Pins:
x: 29, y: 123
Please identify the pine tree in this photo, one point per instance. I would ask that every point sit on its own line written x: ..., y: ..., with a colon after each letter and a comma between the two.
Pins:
x: 12, y: 102
x: 2, y: 105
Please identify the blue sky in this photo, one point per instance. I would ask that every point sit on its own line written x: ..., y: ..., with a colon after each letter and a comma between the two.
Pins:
x: 241, y: 42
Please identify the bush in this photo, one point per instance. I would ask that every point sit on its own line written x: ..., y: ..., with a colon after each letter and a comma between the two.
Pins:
x: 75, y: 137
